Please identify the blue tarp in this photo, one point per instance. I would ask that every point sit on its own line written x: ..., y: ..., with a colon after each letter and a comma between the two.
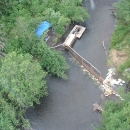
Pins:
x: 42, y: 27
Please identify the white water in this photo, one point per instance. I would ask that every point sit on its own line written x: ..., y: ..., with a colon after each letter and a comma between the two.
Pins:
x: 92, y: 5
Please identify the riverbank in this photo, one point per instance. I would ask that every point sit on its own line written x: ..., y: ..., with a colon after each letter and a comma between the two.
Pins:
x: 69, y: 105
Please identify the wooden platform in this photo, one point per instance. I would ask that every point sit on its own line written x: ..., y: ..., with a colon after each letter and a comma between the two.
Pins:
x: 76, y: 32
x: 70, y: 40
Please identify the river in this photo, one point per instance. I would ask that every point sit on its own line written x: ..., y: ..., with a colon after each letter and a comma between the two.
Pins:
x: 69, y: 105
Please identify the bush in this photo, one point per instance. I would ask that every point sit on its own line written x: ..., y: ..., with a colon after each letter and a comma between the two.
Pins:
x: 123, y: 11
x: 123, y: 70
x: 119, y: 34
x: 50, y: 60
x: 25, y: 41
x: 116, y: 115
x: 21, y: 84
x: 21, y: 79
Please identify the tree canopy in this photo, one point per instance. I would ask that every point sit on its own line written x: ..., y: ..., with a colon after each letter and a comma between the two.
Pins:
x: 21, y: 84
x: 3, y: 40
x: 116, y: 114
x: 58, y: 12
x: 28, y: 58
x: 123, y: 10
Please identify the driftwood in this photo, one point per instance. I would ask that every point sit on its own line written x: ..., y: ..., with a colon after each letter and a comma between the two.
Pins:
x: 97, y: 107
x: 109, y: 91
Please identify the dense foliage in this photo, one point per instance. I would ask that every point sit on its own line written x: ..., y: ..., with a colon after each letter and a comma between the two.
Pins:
x: 22, y: 18
x: 58, y: 21
x: 123, y: 27
x: 28, y: 59
x: 121, y: 37
x: 116, y: 115
x: 50, y: 60
x: 21, y: 84
x: 58, y: 12
x: 26, y: 41
x: 123, y: 11
x: 8, y: 115
x: 2, y: 42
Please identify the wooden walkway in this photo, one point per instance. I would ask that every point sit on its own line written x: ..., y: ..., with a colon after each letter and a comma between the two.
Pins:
x: 76, y: 32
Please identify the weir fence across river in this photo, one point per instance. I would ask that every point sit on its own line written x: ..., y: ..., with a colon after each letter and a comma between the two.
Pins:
x: 77, y: 32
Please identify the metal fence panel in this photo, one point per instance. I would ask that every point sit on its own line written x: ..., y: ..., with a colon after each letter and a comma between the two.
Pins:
x: 78, y: 57
x: 87, y: 65
x: 96, y: 71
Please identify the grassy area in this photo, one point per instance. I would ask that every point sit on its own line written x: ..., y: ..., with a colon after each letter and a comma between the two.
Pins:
x: 120, y: 42
x: 120, y: 34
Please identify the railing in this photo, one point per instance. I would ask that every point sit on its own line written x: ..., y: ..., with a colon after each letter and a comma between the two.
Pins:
x: 69, y: 41
x: 60, y: 47
x: 95, y: 72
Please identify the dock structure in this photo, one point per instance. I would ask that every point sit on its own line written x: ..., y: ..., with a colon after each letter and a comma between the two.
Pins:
x: 76, y: 32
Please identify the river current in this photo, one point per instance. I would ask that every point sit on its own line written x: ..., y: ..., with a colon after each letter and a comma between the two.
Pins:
x: 69, y: 105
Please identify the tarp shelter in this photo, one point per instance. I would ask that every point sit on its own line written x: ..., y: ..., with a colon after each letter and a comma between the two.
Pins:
x: 42, y: 27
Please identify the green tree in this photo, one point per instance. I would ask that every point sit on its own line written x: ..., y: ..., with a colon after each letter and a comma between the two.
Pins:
x: 21, y: 79
x: 8, y: 115
x: 2, y: 41
x: 123, y: 27
x: 73, y: 11
x: 57, y: 20
x: 120, y: 39
x: 52, y: 61
x: 25, y: 41
x: 116, y: 115
x: 123, y: 10
x: 60, y: 12
x: 21, y: 84
x: 64, y: 10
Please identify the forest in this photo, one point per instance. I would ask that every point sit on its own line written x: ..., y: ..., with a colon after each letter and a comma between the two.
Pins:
x: 26, y: 60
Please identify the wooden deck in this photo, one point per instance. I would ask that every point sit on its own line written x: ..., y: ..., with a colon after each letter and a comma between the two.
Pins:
x: 76, y: 32
x: 69, y: 40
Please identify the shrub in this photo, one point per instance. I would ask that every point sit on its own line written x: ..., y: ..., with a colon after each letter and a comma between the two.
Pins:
x: 50, y: 60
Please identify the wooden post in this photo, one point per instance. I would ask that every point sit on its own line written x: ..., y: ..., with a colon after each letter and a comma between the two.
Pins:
x: 104, y: 48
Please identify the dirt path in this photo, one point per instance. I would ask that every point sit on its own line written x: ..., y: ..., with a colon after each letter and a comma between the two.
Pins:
x: 69, y: 105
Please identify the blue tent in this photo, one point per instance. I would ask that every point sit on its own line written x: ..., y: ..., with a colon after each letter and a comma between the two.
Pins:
x: 42, y: 27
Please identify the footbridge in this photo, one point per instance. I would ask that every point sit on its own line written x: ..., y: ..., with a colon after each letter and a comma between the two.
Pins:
x: 77, y: 32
